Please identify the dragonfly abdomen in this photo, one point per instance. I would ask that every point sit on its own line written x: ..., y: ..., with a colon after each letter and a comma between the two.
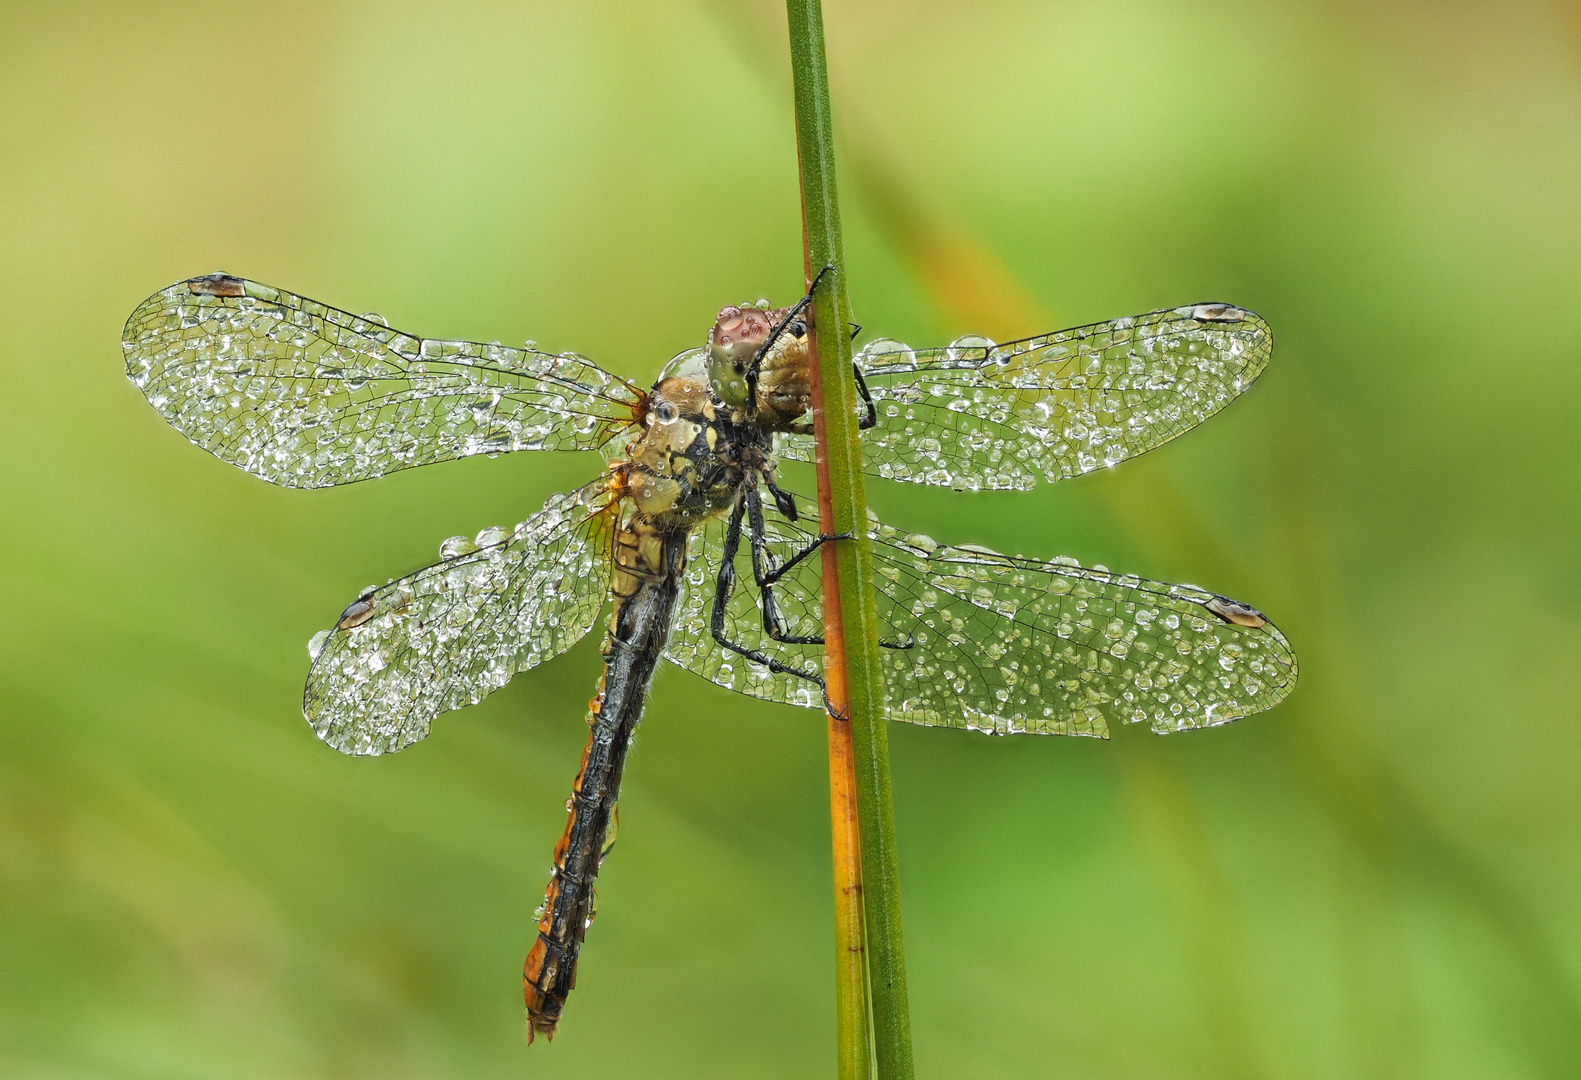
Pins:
x: 647, y: 576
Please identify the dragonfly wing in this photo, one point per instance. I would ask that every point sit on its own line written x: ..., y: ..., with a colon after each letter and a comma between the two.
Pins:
x: 454, y: 632
x: 980, y: 415
x: 305, y: 395
x: 1006, y: 644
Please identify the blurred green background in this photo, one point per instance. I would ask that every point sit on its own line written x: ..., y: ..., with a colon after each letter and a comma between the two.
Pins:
x: 1380, y: 878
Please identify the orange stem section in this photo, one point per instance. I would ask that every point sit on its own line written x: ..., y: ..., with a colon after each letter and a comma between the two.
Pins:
x: 850, y: 937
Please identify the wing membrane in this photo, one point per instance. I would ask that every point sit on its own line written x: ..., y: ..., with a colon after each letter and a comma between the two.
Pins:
x: 1006, y: 644
x: 980, y: 415
x: 450, y: 634
x: 305, y: 395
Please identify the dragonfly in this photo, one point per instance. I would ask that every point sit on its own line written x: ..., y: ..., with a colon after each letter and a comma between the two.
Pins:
x: 697, y: 552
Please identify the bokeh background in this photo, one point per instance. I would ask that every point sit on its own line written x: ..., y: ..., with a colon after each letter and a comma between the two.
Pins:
x: 1380, y: 878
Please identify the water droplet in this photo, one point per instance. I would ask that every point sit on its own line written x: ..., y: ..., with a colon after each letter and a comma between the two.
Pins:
x: 970, y: 349
x: 316, y: 644
x: 882, y: 351
x: 457, y: 546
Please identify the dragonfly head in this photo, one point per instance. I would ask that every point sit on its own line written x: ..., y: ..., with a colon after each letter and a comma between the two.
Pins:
x: 738, y: 334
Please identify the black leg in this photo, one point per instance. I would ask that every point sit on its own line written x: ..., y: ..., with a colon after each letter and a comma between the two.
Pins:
x: 784, y: 500
x: 766, y: 574
x: 871, y: 419
x: 723, y: 586
x: 780, y: 571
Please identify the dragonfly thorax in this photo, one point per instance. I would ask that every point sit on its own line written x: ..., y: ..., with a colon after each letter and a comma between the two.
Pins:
x: 691, y: 451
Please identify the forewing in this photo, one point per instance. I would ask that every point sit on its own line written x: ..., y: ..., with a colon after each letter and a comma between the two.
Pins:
x: 1006, y: 644
x: 980, y: 415
x: 452, y: 633
x: 305, y: 395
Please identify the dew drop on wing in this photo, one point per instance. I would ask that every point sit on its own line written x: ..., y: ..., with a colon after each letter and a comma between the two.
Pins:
x: 457, y: 546
x: 493, y: 536
x: 316, y: 644
x: 970, y: 349
x: 887, y: 351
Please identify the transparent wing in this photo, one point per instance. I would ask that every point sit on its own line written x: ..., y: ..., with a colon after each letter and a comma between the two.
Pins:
x: 1006, y: 644
x: 450, y: 634
x: 980, y: 415
x: 305, y: 395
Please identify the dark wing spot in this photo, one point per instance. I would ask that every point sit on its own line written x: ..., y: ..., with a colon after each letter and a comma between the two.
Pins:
x: 1217, y: 313
x: 218, y: 283
x: 357, y: 612
x: 1233, y: 611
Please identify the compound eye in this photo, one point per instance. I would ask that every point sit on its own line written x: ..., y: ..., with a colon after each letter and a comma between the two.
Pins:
x: 798, y: 329
x: 666, y: 412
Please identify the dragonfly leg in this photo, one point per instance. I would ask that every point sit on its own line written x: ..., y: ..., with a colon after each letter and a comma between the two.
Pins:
x: 784, y: 500
x: 773, y: 574
x: 871, y: 419
x: 765, y: 573
x: 773, y: 623
x: 757, y: 531
x: 723, y: 586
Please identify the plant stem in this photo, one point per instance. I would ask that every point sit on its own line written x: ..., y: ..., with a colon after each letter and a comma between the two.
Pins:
x: 853, y: 1050
x: 849, y: 611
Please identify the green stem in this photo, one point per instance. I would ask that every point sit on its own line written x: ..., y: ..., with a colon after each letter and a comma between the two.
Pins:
x: 841, y: 493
